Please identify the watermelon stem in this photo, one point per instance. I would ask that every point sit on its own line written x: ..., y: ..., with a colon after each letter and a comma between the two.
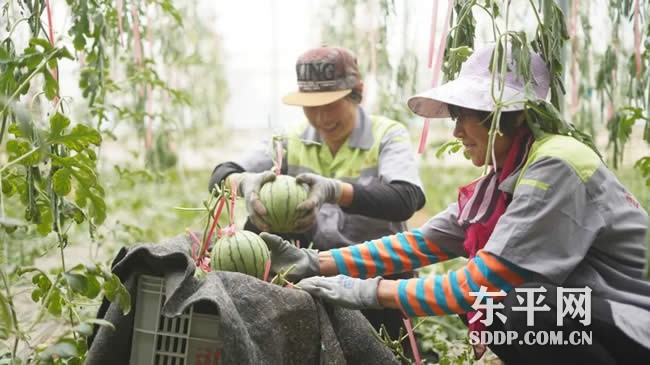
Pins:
x: 281, y: 277
x: 278, y: 156
x: 233, y: 200
x: 207, y: 233
x: 196, y: 245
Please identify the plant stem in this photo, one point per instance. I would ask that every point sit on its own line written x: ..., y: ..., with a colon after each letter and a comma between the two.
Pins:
x: 461, y: 18
x: 9, y: 164
x: 5, y: 119
x: 13, y: 313
x: 490, y: 156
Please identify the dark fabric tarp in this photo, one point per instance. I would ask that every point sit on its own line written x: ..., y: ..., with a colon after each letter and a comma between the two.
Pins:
x: 260, y: 323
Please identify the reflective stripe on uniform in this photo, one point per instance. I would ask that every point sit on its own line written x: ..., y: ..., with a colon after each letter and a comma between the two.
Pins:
x: 348, y: 164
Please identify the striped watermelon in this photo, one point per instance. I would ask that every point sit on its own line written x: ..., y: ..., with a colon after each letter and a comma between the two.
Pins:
x: 281, y: 197
x: 243, y: 252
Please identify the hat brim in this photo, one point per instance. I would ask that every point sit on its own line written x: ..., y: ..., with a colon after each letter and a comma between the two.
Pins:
x: 317, y: 98
x: 467, y: 92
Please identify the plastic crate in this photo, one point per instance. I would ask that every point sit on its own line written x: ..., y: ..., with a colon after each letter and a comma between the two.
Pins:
x: 188, y: 339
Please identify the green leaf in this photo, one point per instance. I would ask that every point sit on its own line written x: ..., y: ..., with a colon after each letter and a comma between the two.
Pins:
x: 77, y: 282
x: 6, y: 317
x: 97, y: 208
x: 643, y: 165
x: 19, y: 148
x: 93, y: 288
x: 169, y: 8
x: 101, y: 322
x: 31, y: 59
x: 450, y: 147
x: 15, y: 130
x: 37, y: 294
x: 53, y: 64
x: 64, y: 349
x: 79, y: 138
x: 42, y: 281
x: 40, y: 42
x: 54, y: 305
x: 79, y: 41
x: 7, y: 80
x: 5, y: 56
x: 72, y: 211
x: 91, y: 154
x: 11, y: 224
x: 117, y: 293
x: 64, y: 53
x: 61, y: 182
x: 51, y: 86
x: 24, y: 126
x: 88, y: 188
x: 58, y: 122
x: 44, y: 227
x: 84, y: 329
x: 9, y: 188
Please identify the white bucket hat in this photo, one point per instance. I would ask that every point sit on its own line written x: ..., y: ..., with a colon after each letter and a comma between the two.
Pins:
x: 472, y: 89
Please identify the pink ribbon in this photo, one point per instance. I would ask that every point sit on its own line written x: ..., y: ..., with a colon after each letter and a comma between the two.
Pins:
x: 637, y: 39
x: 438, y: 64
x: 414, y: 345
x: 267, y: 269
x: 574, y: 63
x: 200, y: 261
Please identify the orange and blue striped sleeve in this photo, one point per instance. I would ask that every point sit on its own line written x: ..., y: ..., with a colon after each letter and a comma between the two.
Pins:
x: 393, y: 254
x: 449, y: 293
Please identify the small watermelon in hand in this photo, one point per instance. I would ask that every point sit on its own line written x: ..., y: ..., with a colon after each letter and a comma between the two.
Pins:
x: 281, y: 197
x: 243, y: 252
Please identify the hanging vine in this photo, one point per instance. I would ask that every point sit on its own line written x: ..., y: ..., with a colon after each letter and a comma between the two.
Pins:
x: 49, y: 177
x: 390, y: 78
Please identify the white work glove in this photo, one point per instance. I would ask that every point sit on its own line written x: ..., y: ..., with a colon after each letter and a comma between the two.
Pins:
x: 321, y: 190
x: 343, y: 290
x: 248, y: 186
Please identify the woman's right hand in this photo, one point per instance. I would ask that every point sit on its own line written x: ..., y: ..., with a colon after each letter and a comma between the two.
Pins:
x: 248, y: 186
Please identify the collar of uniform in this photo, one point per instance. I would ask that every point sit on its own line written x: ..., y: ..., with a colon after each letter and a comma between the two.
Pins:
x: 508, y: 184
x: 361, y: 136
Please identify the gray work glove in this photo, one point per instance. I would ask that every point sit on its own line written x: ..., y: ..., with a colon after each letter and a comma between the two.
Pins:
x: 249, y: 185
x: 321, y: 190
x: 284, y: 255
x: 343, y: 290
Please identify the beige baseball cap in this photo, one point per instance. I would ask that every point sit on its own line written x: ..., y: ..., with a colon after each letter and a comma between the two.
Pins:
x: 325, y: 75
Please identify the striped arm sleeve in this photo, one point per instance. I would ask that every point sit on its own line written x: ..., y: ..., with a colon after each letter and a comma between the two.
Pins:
x: 449, y: 293
x: 389, y: 255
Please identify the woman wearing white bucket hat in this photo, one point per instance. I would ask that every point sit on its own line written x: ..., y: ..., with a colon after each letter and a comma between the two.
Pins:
x: 555, y: 242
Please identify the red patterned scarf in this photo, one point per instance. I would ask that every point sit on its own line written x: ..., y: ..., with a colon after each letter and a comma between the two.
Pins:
x: 481, y: 204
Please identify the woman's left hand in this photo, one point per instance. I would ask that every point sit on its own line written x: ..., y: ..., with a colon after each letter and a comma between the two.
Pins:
x: 321, y: 190
x: 343, y: 290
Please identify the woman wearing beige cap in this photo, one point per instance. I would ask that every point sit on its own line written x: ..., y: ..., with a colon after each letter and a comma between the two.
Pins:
x: 361, y: 169
x: 555, y: 243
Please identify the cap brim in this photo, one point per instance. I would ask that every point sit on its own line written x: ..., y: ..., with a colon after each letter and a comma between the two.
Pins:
x: 314, y: 98
x: 467, y: 92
